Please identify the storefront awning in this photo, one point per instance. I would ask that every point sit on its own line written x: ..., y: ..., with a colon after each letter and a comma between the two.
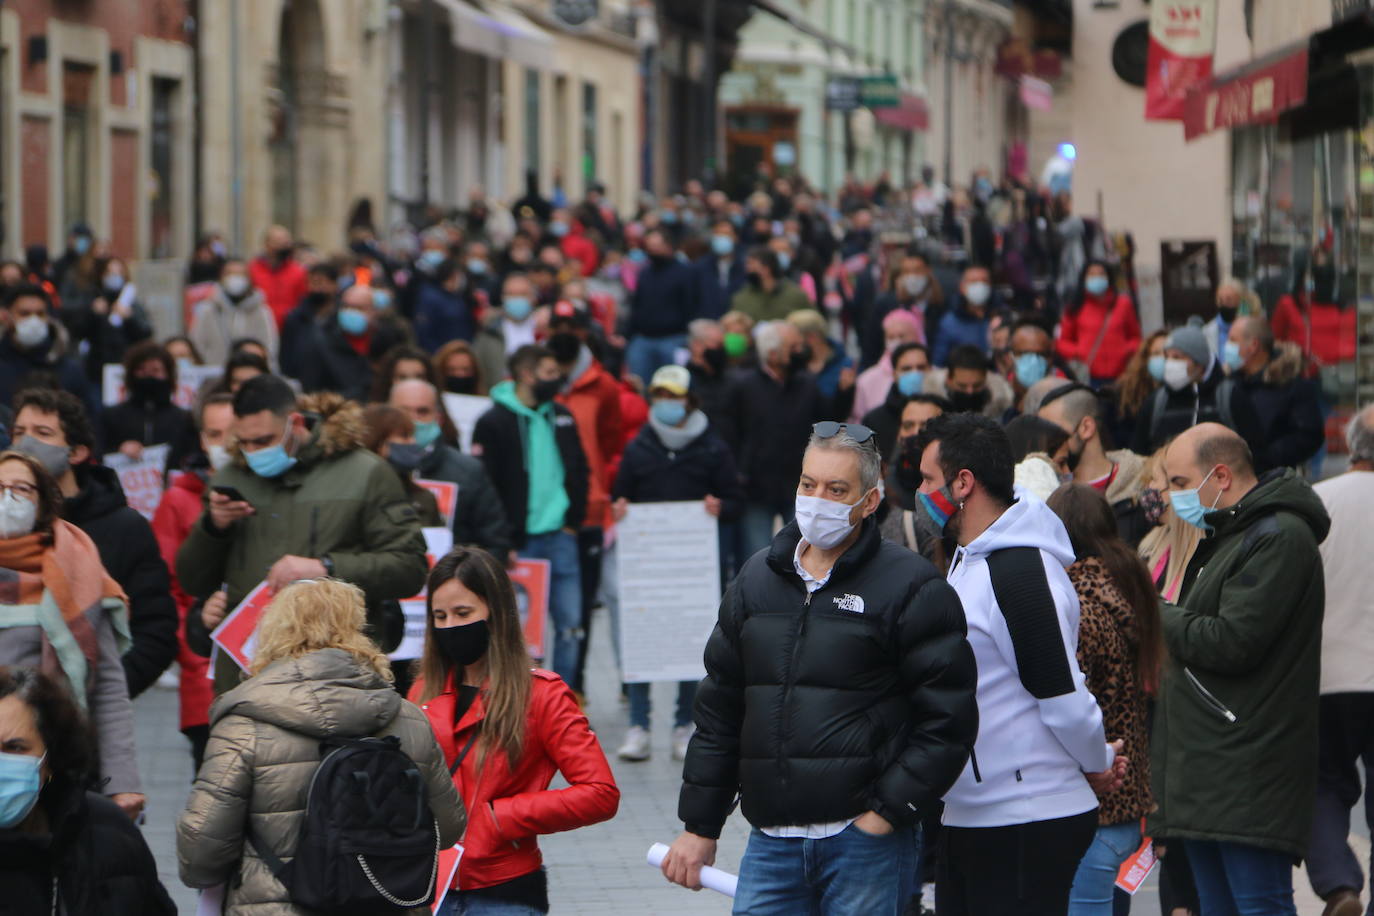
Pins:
x: 499, y: 32
x: 909, y: 114
x: 1256, y: 93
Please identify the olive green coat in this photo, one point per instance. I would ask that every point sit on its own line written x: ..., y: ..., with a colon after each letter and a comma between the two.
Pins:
x: 1234, y: 748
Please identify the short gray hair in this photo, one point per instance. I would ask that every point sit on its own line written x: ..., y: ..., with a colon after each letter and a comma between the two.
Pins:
x: 870, y: 462
x: 700, y: 327
x: 768, y: 338
x: 1359, y: 435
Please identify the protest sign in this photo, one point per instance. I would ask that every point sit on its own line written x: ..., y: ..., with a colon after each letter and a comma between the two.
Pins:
x: 236, y: 632
x: 668, y: 560
x: 189, y: 382
x: 1137, y: 867
x: 438, y: 541
x: 141, y: 478
x: 463, y: 410
x: 446, y: 495
x: 531, y: 580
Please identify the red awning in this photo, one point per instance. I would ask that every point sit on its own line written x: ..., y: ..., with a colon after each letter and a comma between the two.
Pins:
x: 1256, y: 93
x: 911, y: 113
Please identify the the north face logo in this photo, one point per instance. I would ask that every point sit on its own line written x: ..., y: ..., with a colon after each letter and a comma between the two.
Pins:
x: 851, y: 603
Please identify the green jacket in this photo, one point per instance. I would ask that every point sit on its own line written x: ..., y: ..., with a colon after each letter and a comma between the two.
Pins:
x: 1234, y: 749
x: 785, y: 299
x: 339, y: 500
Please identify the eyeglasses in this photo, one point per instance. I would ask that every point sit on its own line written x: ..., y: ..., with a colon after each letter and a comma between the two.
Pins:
x: 20, y: 488
x: 829, y: 429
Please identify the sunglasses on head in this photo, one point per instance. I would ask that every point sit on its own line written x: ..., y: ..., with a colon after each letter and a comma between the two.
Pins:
x: 829, y: 429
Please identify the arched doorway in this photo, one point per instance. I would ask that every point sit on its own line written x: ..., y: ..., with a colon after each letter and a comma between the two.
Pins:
x: 300, y: 86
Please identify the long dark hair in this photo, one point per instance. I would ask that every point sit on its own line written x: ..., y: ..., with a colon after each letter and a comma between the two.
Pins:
x: 1092, y: 531
x: 507, y: 690
x: 60, y: 723
x: 1081, y: 293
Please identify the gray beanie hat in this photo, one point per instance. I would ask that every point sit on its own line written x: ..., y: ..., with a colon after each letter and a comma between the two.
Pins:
x: 1192, y: 342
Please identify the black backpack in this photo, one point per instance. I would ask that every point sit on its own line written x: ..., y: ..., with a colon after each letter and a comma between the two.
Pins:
x: 369, y: 843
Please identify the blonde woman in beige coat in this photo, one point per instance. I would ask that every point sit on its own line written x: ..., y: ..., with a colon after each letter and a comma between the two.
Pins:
x: 315, y: 676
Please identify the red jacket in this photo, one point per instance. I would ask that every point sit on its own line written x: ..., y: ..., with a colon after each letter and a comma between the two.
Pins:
x: 283, y: 285
x: 634, y: 413
x: 577, y: 246
x: 1325, y: 331
x: 508, y: 809
x: 1078, y: 332
x: 176, y: 513
x: 594, y: 399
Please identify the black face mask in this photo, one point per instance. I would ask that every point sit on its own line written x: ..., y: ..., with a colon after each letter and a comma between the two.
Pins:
x: 546, y: 390
x: 564, y: 347
x: 1072, y: 459
x: 906, y: 463
x: 156, y: 390
x: 463, y: 645
x: 405, y: 456
x: 969, y: 402
x: 755, y: 278
x: 714, y: 358
x: 800, y: 359
x: 317, y: 301
x: 460, y: 384
x: 1228, y: 315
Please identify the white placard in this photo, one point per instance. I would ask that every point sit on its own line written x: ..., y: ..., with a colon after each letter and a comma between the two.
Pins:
x: 668, y: 559
x: 463, y: 410
x: 141, y: 479
x: 438, y: 541
x: 189, y: 382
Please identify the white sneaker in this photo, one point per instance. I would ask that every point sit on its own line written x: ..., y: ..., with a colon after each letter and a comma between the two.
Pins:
x: 681, y: 735
x: 636, y: 746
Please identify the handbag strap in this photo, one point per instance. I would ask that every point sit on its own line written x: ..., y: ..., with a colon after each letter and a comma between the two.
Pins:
x: 462, y: 755
x: 1101, y: 335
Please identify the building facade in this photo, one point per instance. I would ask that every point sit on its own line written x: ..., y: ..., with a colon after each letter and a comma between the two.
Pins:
x: 97, y: 125
x: 977, y: 113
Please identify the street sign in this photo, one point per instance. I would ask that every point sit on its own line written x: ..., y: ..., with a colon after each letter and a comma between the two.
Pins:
x: 842, y: 93
x: 880, y: 92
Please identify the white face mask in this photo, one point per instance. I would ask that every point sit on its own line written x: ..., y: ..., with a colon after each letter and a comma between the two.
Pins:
x: 31, y: 331
x: 236, y: 284
x: 978, y: 293
x: 17, y: 515
x: 824, y: 523
x: 914, y: 284
x: 1176, y: 374
x: 218, y: 455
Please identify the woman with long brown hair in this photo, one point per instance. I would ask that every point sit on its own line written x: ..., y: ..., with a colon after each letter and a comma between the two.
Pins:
x: 1143, y: 374
x: 505, y: 730
x: 1119, y: 648
x: 1169, y: 546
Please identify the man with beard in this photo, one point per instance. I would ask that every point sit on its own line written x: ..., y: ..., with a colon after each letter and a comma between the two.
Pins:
x: 970, y: 385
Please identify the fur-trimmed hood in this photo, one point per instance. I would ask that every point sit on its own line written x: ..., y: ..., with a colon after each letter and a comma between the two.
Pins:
x: 336, y: 424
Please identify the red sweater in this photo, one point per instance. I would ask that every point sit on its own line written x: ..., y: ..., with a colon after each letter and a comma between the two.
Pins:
x: 283, y: 285
x: 594, y: 399
x: 1325, y: 331
x: 508, y: 809
x: 176, y: 513
x: 1078, y: 332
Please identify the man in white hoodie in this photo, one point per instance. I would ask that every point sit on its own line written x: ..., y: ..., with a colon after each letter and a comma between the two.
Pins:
x: 1024, y: 811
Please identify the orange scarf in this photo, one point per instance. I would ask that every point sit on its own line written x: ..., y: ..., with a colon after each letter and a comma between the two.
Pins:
x: 67, y: 568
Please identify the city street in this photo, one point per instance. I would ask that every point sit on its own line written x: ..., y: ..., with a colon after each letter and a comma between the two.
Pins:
x: 599, y: 870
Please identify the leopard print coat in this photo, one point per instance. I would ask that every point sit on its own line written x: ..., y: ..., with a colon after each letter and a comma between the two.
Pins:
x: 1107, y: 642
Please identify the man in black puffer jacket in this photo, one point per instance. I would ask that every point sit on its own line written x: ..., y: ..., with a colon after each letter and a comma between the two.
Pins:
x: 838, y: 703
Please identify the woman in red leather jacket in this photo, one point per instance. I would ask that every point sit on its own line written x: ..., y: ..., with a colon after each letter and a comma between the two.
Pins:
x: 505, y: 729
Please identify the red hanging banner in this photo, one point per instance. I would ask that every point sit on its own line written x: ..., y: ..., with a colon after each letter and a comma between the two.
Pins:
x: 1183, y: 35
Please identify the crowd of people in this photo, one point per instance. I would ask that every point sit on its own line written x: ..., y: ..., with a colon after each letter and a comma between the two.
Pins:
x: 1010, y: 582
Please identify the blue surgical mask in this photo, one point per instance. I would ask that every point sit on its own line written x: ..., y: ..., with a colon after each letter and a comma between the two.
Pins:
x: 1095, y: 285
x: 784, y: 261
x: 668, y: 217
x: 637, y: 255
x: 1157, y: 368
x: 1230, y: 355
x: 558, y: 228
x: 909, y: 383
x: 1031, y: 368
x: 271, y: 461
x: 1188, y: 504
x: 477, y: 266
x: 432, y: 257
x: 81, y: 244
x: 722, y: 245
x: 20, y: 785
x: 381, y: 298
x: 353, y: 322
x: 669, y: 413
x: 426, y: 431
x: 517, y: 308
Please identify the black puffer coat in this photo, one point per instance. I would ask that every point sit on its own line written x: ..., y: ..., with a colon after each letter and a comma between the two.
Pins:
x: 99, y: 857
x: 818, y: 708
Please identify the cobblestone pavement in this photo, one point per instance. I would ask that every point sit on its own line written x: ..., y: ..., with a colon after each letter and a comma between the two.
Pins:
x: 597, y: 871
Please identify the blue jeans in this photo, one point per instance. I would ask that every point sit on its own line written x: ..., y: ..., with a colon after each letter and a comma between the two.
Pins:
x: 849, y: 874
x: 645, y: 355
x: 565, y: 597
x: 459, y: 904
x: 1238, y: 880
x: 756, y: 527
x: 1094, y: 884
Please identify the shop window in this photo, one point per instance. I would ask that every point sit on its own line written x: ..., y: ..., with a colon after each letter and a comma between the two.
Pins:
x: 162, y: 146
x: 531, y: 120
x: 77, y: 151
x: 588, y: 131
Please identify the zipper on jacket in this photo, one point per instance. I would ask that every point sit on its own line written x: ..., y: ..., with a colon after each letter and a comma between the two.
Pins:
x: 791, y: 674
x: 1207, y: 696
x: 973, y: 759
